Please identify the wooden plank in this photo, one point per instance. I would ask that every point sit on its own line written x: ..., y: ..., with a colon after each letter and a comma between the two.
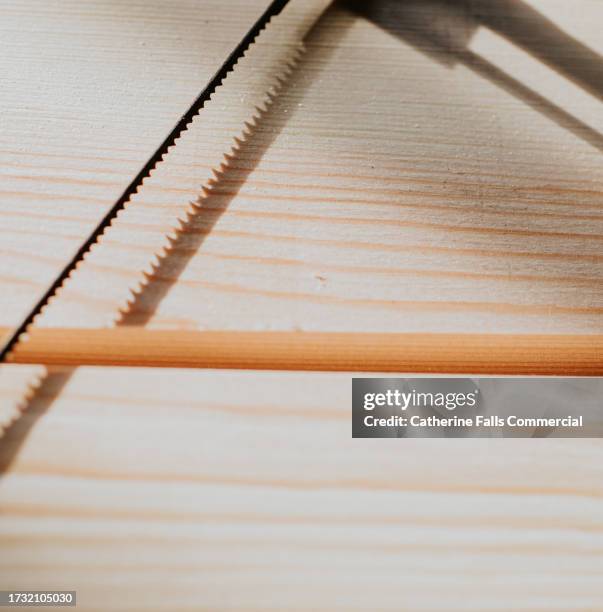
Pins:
x: 90, y: 89
x: 364, y: 352
x: 362, y: 202
x: 232, y: 110
x: 389, y: 188
x: 222, y: 490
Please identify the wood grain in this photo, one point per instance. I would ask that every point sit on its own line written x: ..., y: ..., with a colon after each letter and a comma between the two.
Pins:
x: 394, y: 186
x: 90, y: 89
x: 390, y: 187
x: 364, y: 352
x: 188, y: 490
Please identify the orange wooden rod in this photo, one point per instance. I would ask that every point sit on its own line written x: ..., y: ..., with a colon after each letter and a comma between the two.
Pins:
x: 332, y: 351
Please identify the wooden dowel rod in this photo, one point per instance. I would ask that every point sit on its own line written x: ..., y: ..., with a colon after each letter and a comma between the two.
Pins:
x: 376, y: 352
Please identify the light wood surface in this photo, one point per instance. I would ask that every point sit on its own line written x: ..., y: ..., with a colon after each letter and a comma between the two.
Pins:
x: 365, y: 352
x: 391, y: 186
x: 231, y: 116
x: 214, y: 490
x: 423, y: 170
x: 89, y: 90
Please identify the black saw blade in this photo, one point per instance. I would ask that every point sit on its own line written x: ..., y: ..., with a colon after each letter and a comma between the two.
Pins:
x: 275, y: 7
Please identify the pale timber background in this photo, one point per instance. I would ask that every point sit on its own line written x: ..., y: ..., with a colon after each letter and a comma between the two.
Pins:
x: 426, y: 167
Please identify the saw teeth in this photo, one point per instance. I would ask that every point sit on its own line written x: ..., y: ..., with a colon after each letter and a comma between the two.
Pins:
x: 188, y: 211
x: 182, y: 221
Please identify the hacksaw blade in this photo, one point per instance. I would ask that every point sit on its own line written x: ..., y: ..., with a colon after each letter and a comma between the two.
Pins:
x: 154, y: 216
